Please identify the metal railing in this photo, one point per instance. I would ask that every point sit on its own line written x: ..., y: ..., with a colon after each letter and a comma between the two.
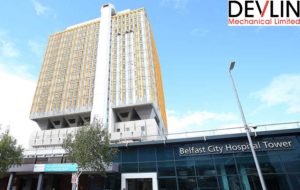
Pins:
x: 235, y: 130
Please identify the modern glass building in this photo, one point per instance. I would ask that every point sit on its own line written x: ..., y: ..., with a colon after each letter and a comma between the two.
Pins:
x: 222, y: 162
x: 218, y: 163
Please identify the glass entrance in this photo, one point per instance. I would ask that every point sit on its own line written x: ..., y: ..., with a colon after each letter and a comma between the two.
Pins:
x: 139, y: 184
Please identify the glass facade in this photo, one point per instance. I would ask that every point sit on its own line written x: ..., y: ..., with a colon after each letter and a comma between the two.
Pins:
x: 226, y: 171
x: 219, y: 163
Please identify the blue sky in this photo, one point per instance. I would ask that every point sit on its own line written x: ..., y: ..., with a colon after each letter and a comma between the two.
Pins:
x: 195, y: 47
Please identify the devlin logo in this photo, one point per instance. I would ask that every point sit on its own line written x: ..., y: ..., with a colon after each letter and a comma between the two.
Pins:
x: 264, y: 12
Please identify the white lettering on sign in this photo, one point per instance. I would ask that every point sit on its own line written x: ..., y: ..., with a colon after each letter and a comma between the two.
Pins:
x: 235, y: 147
x: 285, y: 144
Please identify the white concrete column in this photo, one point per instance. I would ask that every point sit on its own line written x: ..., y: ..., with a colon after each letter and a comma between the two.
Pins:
x: 101, y: 84
x: 118, y: 71
x: 146, y: 98
x: 127, y: 70
x: 132, y: 69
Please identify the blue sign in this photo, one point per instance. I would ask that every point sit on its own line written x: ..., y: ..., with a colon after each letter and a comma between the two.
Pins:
x: 55, y: 167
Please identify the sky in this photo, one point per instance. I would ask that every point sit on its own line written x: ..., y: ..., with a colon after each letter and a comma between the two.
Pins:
x: 195, y: 47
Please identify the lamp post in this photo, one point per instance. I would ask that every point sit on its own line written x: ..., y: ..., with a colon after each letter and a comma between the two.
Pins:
x: 247, y: 128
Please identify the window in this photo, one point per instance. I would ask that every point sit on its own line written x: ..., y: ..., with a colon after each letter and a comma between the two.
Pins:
x: 291, y: 162
x: 129, y: 155
x: 167, y: 183
x: 185, y: 168
x: 164, y: 153
x: 225, y: 165
x: 277, y: 182
x: 208, y: 183
x: 295, y: 180
x: 166, y: 168
x: 129, y: 167
x: 147, y: 167
x: 187, y: 183
x: 147, y: 154
x: 205, y: 167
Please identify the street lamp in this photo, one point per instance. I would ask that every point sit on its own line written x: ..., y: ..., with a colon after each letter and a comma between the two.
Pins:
x: 247, y: 128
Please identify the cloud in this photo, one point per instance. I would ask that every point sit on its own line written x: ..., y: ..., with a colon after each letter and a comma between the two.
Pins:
x: 283, y: 90
x: 36, y: 47
x: 7, y: 46
x: 15, y: 99
x: 196, y: 121
x: 175, y: 4
x: 8, y: 49
x: 39, y: 8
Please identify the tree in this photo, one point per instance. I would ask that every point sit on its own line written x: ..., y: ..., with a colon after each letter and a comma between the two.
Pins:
x: 90, y: 149
x: 10, y: 153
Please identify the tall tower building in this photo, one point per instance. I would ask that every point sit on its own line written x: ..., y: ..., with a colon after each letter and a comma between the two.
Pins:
x: 105, y: 69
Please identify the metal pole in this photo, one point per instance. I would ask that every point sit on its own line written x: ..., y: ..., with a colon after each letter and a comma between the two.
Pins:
x: 74, y: 186
x: 247, y: 128
x: 11, y: 176
x: 40, y: 182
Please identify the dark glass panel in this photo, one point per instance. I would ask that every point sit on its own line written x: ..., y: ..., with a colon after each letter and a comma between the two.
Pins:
x: 276, y: 182
x: 234, y: 182
x: 139, y: 184
x: 185, y: 168
x: 246, y: 165
x: 129, y: 155
x: 147, y: 154
x: 111, y: 181
x: 208, y: 183
x: 270, y: 164
x: 187, y: 183
x: 205, y: 167
x: 252, y: 181
x: 147, y: 167
x: 131, y: 167
x: 164, y: 153
x: 117, y: 158
x: 291, y: 162
x: 225, y: 165
x: 230, y: 182
x: 167, y: 184
x: 295, y: 180
x: 166, y: 168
